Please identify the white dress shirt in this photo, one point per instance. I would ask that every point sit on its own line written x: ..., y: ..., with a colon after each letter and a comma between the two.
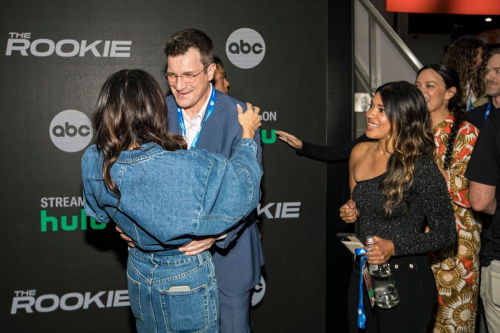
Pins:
x: 193, y: 125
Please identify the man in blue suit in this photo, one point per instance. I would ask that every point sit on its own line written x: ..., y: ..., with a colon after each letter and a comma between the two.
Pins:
x: 208, y: 120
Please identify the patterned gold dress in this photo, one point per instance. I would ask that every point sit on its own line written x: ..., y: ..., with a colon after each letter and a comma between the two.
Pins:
x: 457, y: 269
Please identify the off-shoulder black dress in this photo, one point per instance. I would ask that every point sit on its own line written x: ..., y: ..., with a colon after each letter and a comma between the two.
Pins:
x: 429, y: 205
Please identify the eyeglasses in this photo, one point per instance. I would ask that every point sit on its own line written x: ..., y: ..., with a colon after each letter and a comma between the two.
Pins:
x: 187, y: 78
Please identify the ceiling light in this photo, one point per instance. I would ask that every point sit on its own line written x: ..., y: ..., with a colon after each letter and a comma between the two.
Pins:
x: 488, y: 19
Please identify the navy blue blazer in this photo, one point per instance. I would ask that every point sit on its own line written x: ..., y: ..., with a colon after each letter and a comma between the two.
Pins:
x: 238, y: 258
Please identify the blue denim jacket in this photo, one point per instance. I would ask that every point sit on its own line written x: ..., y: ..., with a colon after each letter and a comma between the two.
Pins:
x: 166, y: 197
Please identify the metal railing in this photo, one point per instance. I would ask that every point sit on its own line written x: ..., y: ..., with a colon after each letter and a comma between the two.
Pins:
x: 380, y: 55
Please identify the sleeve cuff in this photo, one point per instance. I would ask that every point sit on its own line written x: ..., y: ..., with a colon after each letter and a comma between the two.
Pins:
x: 247, y: 144
x: 304, y: 149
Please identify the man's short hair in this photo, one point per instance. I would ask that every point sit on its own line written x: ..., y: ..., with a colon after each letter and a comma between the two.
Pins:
x: 491, y: 53
x: 182, y: 41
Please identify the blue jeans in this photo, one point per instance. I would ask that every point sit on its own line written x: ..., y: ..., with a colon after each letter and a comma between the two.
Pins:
x: 173, y: 293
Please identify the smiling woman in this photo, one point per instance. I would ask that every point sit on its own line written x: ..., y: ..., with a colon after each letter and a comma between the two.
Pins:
x: 378, y: 126
x: 456, y: 268
x: 397, y: 189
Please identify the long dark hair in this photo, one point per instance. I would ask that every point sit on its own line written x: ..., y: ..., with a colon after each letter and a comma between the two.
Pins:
x: 461, y: 55
x: 406, y: 110
x: 130, y: 110
x: 456, y: 105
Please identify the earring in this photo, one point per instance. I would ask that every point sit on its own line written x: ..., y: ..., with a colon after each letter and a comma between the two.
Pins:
x: 446, y: 102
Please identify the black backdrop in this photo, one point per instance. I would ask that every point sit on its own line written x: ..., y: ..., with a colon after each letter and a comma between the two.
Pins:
x: 61, y: 271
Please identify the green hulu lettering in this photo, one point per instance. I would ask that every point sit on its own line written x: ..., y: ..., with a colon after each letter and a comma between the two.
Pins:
x: 47, y: 219
x: 72, y: 226
x: 83, y: 218
x: 52, y: 222
x: 265, y: 139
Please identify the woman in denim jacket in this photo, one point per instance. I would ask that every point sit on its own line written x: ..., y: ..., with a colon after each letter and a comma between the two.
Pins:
x: 143, y: 178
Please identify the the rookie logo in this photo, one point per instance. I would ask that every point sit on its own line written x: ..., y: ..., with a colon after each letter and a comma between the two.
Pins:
x: 27, y: 301
x: 71, y: 131
x: 20, y: 43
x: 245, y: 48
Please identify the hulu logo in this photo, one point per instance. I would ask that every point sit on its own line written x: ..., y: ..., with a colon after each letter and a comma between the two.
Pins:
x: 268, y: 140
x: 68, y: 223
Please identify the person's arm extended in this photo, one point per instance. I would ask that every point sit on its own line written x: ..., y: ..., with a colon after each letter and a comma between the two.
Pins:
x: 228, y: 203
x: 249, y: 131
x: 224, y: 241
x: 231, y: 190
x: 220, y: 193
x: 320, y: 152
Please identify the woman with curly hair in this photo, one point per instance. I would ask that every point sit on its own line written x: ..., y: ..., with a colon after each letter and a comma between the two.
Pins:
x: 396, y: 189
x: 467, y: 56
x: 456, y: 268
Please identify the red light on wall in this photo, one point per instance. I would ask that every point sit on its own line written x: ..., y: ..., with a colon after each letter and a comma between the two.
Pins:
x: 464, y: 7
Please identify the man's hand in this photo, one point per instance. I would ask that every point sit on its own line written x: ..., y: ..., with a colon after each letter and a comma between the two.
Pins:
x: 198, y: 245
x: 125, y: 237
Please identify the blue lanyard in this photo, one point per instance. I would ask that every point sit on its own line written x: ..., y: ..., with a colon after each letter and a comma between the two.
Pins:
x: 471, y: 92
x: 488, y: 109
x: 361, y: 307
x: 208, y: 113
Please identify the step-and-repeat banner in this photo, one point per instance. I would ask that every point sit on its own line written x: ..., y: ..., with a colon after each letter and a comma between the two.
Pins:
x: 62, y: 271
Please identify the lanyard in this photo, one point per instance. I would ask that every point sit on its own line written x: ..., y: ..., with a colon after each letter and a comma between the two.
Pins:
x: 488, y: 108
x: 361, y: 307
x: 208, y: 113
x: 470, y: 93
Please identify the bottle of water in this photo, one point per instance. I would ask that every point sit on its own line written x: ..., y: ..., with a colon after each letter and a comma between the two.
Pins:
x: 383, y: 283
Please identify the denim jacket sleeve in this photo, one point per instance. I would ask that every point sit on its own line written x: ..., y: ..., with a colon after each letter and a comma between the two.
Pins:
x: 233, y: 189
x: 91, y: 205
x: 211, y: 193
x: 233, y: 233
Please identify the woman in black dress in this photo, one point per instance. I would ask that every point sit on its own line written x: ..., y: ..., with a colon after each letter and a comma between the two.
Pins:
x: 397, y: 190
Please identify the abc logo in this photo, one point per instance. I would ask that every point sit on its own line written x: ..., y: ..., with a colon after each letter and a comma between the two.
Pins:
x: 71, y: 131
x: 245, y: 48
x: 259, y: 291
